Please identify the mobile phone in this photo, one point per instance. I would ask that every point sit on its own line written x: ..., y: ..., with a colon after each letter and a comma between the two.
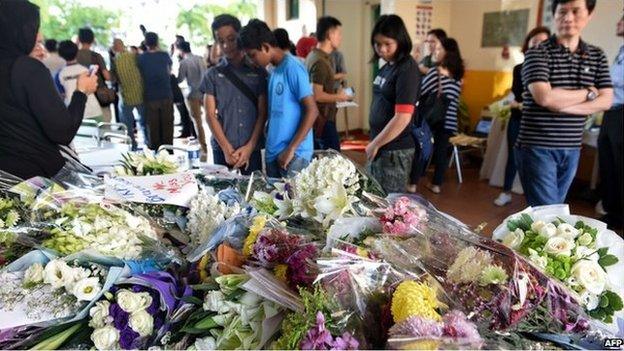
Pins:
x: 93, y: 69
x: 349, y: 91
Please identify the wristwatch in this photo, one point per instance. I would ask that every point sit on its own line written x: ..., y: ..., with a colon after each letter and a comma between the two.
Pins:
x: 591, y: 95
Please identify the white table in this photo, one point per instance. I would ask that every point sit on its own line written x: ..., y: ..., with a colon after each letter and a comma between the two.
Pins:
x: 495, y: 159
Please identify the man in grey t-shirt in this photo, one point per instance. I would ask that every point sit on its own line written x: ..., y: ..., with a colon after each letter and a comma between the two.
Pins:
x: 192, y: 69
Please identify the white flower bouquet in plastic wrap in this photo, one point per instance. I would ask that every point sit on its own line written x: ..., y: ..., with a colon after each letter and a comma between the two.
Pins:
x: 578, y: 251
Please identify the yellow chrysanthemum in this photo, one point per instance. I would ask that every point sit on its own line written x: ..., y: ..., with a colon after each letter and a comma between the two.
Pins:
x: 361, y: 252
x: 280, y: 272
x: 414, y: 299
x: 257, y: 225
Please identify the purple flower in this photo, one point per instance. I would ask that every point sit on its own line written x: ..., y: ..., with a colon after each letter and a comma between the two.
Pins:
x: 417, y: 326
x: 155, y: 306
x: 300, y: 272
x: 120, y: 317
x: 345, y: 342
x: 458, y: 326
x: 317, y: 338
x: 127, y: 338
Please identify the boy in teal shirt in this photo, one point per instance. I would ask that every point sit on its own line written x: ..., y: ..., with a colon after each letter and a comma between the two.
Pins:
x: 292, y: 110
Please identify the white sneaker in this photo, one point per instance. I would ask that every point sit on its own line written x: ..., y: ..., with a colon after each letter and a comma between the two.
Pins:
x: 502, y: 199
x: 599, y: 209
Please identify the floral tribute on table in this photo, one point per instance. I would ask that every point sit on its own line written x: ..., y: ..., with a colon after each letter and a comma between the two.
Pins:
x: 570, y: 253
x: 44, y: 290
x: 324, y: 191
x: 146, y: 164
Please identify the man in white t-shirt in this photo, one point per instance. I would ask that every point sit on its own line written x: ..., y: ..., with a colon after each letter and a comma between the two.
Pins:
x: 67, y: 77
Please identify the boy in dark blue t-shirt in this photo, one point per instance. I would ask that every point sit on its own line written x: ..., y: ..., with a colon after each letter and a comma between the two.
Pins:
x: 292, y: 109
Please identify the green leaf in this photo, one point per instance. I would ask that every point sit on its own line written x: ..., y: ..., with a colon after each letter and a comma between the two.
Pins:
x: 615, y: 301
x: 205, y: 286
x: 607, y: 260
x: 192, y: 299
x: 604, y: 301
x: 206, y: 323
x: 524, y: 223
x: 603, y: 251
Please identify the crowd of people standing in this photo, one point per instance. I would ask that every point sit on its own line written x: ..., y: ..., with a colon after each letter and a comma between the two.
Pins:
x: 258, y: 90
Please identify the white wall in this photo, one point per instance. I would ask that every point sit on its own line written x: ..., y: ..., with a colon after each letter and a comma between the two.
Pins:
x: 354, y: 14
x: 307, y: 18
x: 601, y: 30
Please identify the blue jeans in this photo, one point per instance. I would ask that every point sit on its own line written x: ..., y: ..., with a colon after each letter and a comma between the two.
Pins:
x: 255, y: 160
x: 274, y: 170
x: 546, y: 174
x: 127, y: 118
x: 330, y: 138
x: 513, y: 129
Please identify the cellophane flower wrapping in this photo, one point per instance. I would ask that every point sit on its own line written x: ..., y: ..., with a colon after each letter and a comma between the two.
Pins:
x: 136, y: 312
x: 41, y: 290
x: 484, y: 279
x: 579, y: 252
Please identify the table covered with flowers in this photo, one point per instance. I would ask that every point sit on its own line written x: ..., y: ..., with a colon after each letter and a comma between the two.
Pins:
x: 160, y: 257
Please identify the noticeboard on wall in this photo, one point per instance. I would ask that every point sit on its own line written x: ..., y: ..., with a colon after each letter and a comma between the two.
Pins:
x: 504, y: 28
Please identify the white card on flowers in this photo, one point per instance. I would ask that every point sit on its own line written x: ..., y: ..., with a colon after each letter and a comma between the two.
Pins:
x: 169, y: 189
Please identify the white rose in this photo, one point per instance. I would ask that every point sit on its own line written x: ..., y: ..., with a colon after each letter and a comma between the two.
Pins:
x: 538, y: 260
x: 142, y: 323
x: 567, y: 231
x: 105, y: 338
x: 34, y: 274
x: 590, y: 275
x: 589, y: 300
x: 132, y: 302
x: 559, y: 246
x: 57, y: 273
x: 514, y: 239
x: 585, y: 239
x: 537, y: 225
x: 99, y: 314
x: 86, y: 289
x: 548, y: 230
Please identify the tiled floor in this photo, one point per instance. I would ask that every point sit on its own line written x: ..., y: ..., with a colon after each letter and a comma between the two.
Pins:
x: 472, y: 201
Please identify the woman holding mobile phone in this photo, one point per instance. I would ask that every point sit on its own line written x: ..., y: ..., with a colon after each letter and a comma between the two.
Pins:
x: 35, y: 124
x: 395, y: 92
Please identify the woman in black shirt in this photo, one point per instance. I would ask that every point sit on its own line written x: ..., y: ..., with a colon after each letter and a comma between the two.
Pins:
x: 395, y: 93
x: 34, y: 121
x: 535, y: 36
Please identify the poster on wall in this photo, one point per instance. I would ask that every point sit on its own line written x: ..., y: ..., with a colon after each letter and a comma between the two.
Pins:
x: 424, y: 12
x: 544, y: 15
x: 504, y: 28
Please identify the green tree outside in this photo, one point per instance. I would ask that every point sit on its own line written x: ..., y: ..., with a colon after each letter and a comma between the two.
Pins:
x: 198, y: 19
x: 61, y: 19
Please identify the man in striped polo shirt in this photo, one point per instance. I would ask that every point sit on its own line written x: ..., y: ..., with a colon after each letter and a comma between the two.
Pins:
x: 565, y: 80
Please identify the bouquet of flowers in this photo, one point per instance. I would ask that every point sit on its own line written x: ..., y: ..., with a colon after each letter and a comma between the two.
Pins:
x: 135, y: 312
x: 323, y: 325
x: 326, y: 190
x: 207, y: 212
x: 146, y: 163
x: 568, y: 249
x: 38, y: 288
x: 10, y: 218
x: 419, y: 322
x: 228, y: 317
x: 104, y: 228
x: 483, y: 278
x: 290, y: 256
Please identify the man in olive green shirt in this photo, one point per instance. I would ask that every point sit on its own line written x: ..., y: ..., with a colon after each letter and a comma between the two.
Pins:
x: 126, y: 71
x: 322, y: 76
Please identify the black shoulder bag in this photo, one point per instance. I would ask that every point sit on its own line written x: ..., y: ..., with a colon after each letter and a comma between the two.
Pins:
x: 433, y: 108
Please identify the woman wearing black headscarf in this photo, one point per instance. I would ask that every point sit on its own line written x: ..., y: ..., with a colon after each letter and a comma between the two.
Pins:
x: 34, y: 121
